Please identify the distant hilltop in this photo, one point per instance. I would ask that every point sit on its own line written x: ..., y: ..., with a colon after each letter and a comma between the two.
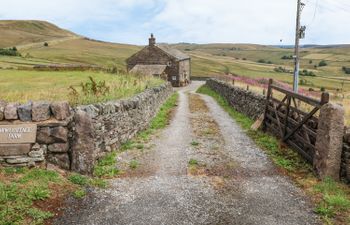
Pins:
x: 22, y: 32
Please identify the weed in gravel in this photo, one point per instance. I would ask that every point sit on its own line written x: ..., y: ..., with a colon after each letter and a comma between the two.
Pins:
x: 97, y: 182
x: 127, y: 145
x: 133, y: 164
x: 194, y: 143
x: 80, y: 193
x: 140, y: 146
x: 144, y: 135
x: 193, y: 162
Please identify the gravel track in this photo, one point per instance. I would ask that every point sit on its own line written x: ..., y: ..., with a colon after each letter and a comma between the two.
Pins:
x: 249, y: 191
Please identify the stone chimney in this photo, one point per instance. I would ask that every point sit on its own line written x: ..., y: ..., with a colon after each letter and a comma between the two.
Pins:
x: 152, y: 41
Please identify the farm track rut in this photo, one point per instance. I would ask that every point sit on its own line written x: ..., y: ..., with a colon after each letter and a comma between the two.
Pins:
x: 229, y: 179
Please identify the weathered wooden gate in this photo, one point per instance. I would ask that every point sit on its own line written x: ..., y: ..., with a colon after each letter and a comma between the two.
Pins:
x: 294, y: 118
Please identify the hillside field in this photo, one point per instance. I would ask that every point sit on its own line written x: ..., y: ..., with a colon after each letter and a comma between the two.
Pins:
x: 248, y: 60
x: 23, y: 86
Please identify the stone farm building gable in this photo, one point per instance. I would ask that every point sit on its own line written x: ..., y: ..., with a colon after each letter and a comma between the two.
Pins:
x: 163, y: 61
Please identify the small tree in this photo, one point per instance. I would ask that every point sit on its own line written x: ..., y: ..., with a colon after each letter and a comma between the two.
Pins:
x: 310, y: 61
x: 346, y: 70
x: 46, y: 44
x: 322, y: 63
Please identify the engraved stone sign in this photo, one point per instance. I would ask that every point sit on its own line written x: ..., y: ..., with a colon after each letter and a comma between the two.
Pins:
x: 18, y: 134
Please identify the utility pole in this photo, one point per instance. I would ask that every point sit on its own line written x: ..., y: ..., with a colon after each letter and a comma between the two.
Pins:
x: 296, y: 50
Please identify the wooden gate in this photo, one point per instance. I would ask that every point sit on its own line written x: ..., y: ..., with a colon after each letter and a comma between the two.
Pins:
x: 294, y: 118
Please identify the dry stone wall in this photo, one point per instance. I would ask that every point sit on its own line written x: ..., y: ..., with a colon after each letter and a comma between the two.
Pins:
x: 50, y: 143
x: 74, y: 138
x: 243, y: 101
x: 112, y: 123
x: 345, y: 158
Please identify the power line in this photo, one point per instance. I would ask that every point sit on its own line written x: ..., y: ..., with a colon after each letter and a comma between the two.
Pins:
x: 335, y: 6
x: 332, y: 6
x: 314, y: 16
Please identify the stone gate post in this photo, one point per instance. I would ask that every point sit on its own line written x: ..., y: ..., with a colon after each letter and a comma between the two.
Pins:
x: 329, y: 141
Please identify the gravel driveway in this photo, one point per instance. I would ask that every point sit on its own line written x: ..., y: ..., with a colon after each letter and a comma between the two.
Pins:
x: 229, y: 179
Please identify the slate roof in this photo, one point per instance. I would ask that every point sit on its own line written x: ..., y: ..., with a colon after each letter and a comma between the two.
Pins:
x: 173, y: 52
x: 148, y: 69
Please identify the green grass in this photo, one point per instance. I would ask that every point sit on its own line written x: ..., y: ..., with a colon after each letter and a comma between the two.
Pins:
x: 127, y: 145
x: 133, y: 164
x: 98, y: 182
x: 332, y: 198
x: 80, y: 193
x: 193, y: 162
x: 20, y: 188
x: 78, y: 179
x: 162, y: 118
x: 22, y: 86
x: 38, y: 193
x: 194, y: 143
x: 106, y: 166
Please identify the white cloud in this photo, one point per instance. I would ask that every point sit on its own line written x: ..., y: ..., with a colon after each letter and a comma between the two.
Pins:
x: 202, y: 21
x: 252, y: 21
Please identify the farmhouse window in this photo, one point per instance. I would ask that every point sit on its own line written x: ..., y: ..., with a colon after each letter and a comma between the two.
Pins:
x: 174, y: 78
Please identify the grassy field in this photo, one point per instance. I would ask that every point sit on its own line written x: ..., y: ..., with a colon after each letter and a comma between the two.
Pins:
x: 22, y: 86
x: 65, y: 47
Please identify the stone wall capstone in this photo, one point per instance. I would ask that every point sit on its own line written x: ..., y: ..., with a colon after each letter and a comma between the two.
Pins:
x: 75, y: 138
x: 243, y: 101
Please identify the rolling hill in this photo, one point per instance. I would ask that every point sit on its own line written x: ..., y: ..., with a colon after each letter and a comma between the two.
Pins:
x: 21, y: 32
x: 65, y: 47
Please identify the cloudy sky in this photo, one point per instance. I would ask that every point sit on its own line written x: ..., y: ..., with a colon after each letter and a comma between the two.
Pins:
x: 197, y: 21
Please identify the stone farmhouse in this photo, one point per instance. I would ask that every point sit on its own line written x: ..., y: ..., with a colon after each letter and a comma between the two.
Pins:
x: 163, y: 61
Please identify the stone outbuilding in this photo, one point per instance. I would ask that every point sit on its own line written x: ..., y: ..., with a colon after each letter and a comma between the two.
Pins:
x: 162, y: 61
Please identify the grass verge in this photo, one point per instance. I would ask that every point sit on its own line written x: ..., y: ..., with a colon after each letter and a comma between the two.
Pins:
x: 106, y: 166
x: 332, y: 199
x: 31, y: 196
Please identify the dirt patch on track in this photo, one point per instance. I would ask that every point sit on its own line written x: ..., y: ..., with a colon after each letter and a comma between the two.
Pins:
x: 207, y: 150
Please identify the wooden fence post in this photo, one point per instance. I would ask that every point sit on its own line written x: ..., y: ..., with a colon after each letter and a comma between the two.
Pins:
x: 268, y: 96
